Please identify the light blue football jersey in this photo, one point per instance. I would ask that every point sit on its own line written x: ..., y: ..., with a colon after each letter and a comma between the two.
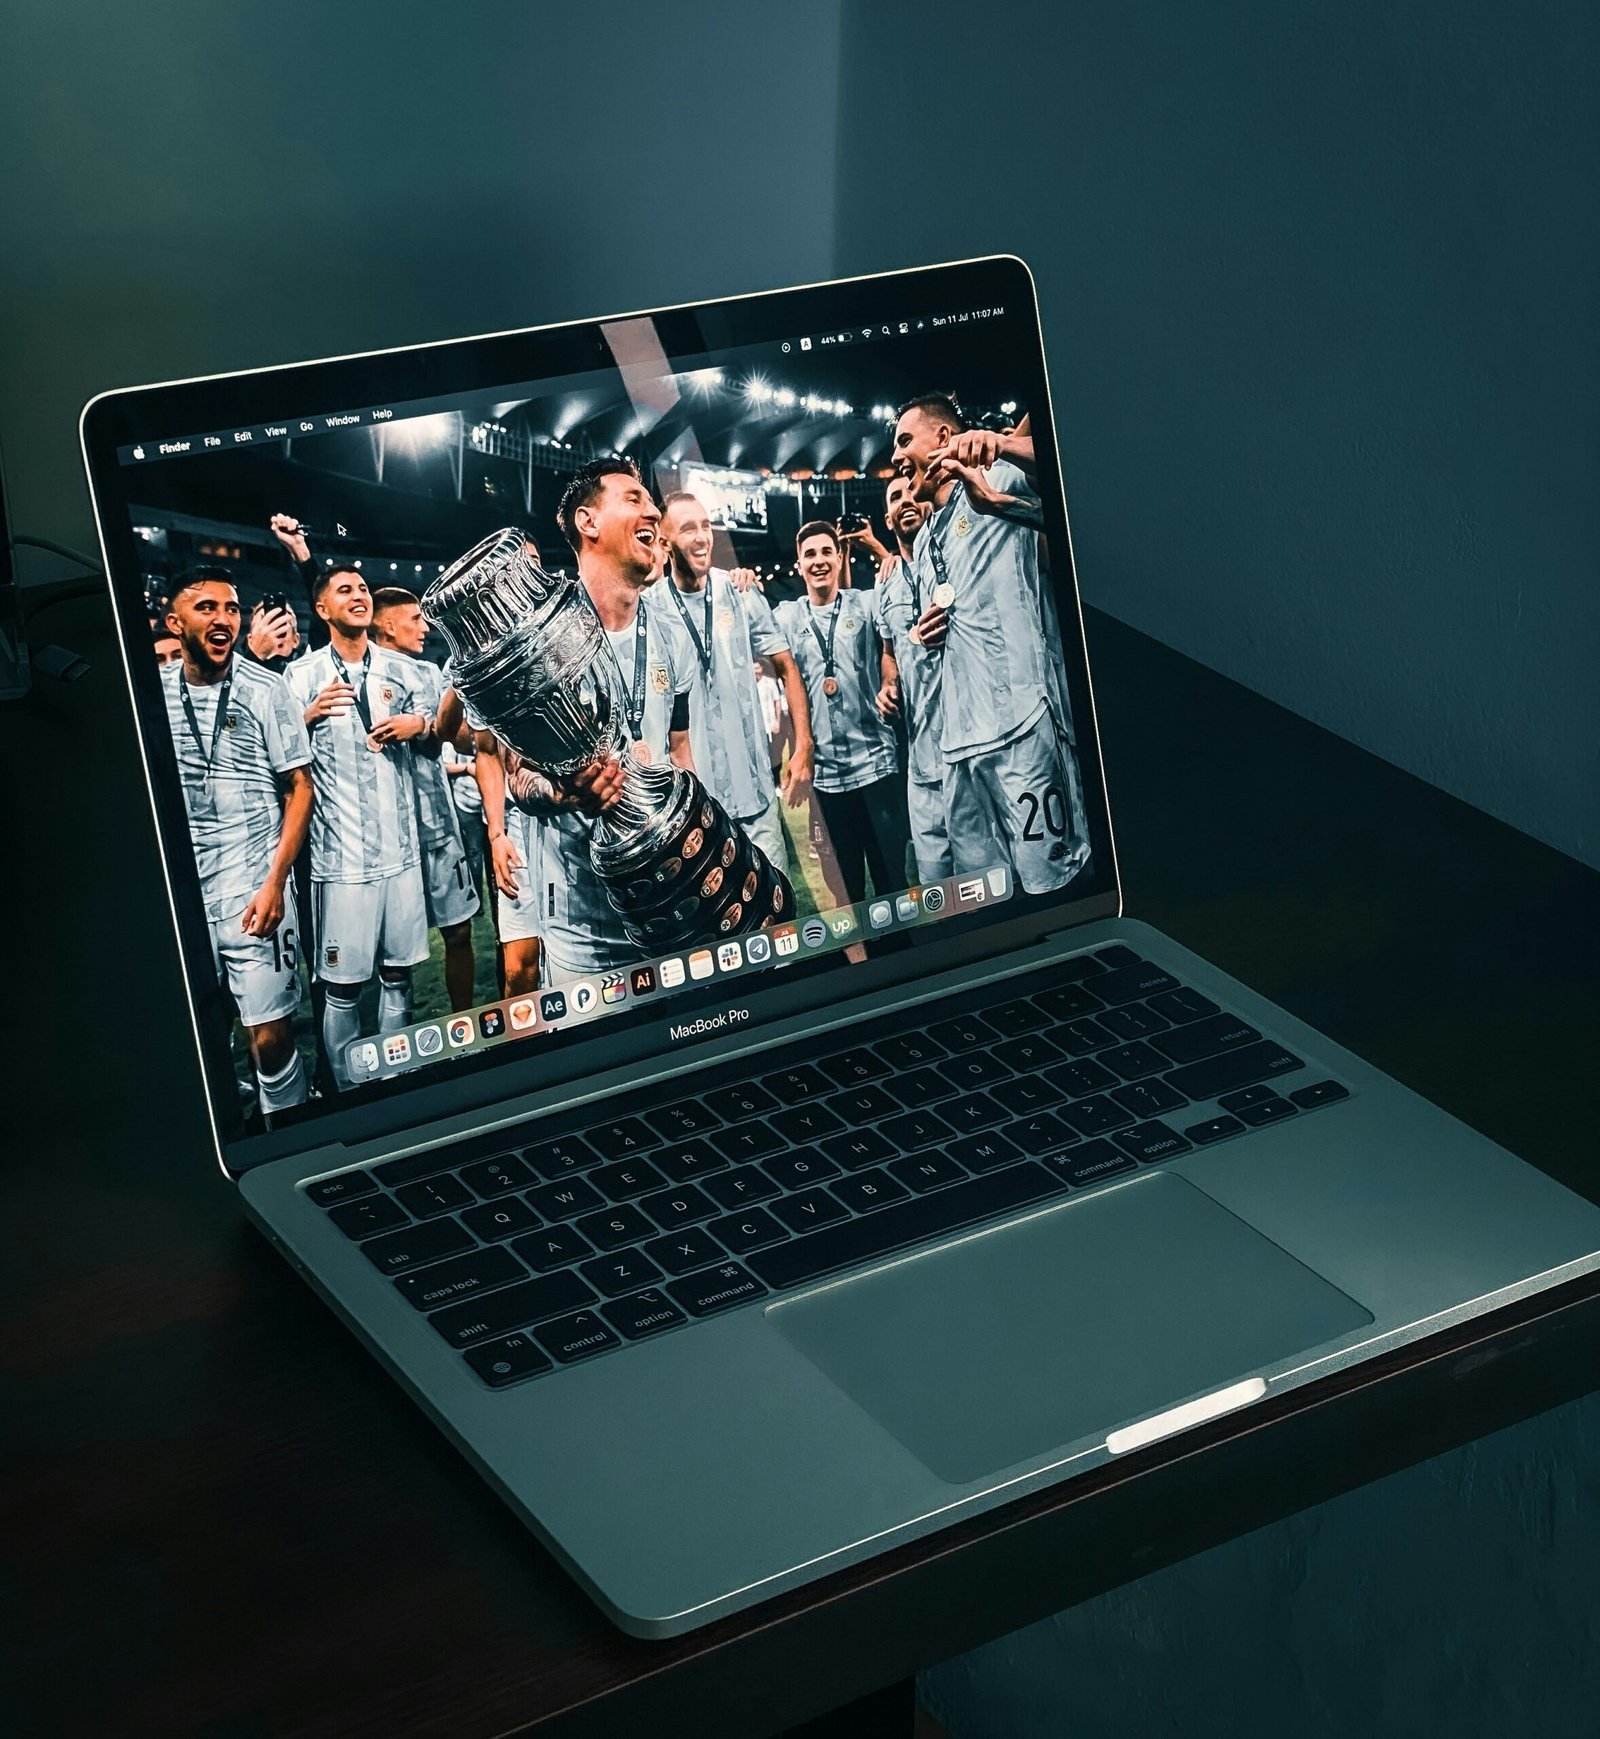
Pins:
x: 236, y: 808
x: 897, y: 609
x: 437, y: 823
x: 579, y: 925
x: 727, y: 732
x: 364, y: 818
x: 855, y: 746
x: 1002, y: 655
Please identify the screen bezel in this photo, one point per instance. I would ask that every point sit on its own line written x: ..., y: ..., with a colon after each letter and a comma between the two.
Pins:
x: 470, y: 365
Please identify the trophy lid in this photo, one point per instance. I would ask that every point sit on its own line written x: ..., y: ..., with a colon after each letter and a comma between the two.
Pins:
x: 492, y: 589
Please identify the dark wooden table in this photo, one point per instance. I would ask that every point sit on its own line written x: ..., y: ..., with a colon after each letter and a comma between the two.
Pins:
x: 219, y: 1515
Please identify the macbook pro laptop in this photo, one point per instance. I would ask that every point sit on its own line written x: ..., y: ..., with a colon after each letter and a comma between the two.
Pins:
x: 768, y: 1140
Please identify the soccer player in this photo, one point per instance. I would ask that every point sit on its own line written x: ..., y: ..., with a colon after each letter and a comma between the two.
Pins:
x: 1013, y: 793
x: 243, y: 762
x: 608, y: 517
x: 859, y: 786
x: 292, y: 535
x: 776, y: 719
x: 509, y: 827
x: 447, y: 884
x: 167, y: 646
x: 273, y: 636
x: 722, y: 631
x: 508, y: 835
x: 456, y: 757
x: 362, y: 708
x: 898, y: 611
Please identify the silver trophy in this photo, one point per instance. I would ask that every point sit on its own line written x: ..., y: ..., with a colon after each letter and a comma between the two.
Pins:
x: 532, y: 664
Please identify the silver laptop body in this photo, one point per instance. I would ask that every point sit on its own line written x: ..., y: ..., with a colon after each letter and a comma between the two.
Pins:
x: 798, y: 1427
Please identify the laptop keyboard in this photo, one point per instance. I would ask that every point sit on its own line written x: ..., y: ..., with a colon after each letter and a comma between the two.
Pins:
x: 553, y: 1243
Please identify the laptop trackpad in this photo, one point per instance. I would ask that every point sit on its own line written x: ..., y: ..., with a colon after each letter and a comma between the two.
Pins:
x: 1097, y: 1313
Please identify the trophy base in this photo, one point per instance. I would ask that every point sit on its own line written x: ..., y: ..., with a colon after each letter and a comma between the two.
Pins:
x: 696, y: 876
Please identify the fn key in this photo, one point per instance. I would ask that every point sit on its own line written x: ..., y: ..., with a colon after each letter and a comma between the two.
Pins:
x: 500, y: 1362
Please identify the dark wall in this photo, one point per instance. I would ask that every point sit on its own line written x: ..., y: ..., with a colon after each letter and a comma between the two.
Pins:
x: 188, y: 188
x: 1319, y: 288
x: 1319, y: 283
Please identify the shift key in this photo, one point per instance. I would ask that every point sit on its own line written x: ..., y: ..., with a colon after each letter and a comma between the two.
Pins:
x: 463, y: 1325
x: 1241, y: 1068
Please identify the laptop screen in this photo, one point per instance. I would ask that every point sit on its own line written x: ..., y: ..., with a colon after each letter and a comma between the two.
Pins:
x: 497, y: 696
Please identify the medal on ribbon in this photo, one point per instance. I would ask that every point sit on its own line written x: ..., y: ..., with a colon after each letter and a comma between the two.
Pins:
x: 207, y: 760
x: 830, y: 683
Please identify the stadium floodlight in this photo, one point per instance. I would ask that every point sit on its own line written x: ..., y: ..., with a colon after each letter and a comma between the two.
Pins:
x: 572, y: 413
x: 705, y: 381
x: 1009, y: 407
x: 783, y: 396
x: 418, y: 435
x: 757, y: 390
x: 841, y: 408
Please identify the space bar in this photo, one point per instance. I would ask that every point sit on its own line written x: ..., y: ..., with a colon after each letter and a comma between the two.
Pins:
x: 875, y: 1234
